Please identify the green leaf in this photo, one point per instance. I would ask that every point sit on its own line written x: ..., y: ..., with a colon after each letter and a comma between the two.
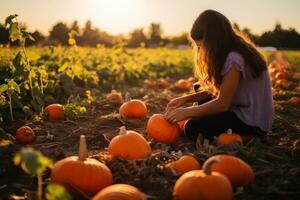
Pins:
x: 8, y: 20
x: 26, y: 34
x: 63, y: 67
x: 32, y: 161
x: 3, y: 88
x: 14, y: 32
x: 57, y: 192
x: 13, y: 85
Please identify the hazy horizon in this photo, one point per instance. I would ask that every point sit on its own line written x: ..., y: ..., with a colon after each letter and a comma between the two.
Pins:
x: 175, y: 16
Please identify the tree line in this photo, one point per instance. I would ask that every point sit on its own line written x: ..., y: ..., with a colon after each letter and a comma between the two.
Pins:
x: 152, y: 37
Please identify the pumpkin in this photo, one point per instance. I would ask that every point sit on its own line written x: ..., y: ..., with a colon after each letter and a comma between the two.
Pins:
x: 87, y: 174
x: 184, y: 164
x: 282, y: 83
x: 55, y: 111
x: 163, y: 83
x: 25, y: 135
x: 294, y: 100
x: 203, y: 184
x: 282, y: 75
x: 183, y: 85
x: 151, y: 83
x: 236, y: 170
x: 114, y: 96
x: 181, y: 124
x: 160, y: 130
x: 120, y: 192
x: 229, y: 138
x: 133, y: 108
x: 129, y: 145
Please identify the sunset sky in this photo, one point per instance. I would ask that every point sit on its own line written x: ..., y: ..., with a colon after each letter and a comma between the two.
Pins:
x: 175, y: 16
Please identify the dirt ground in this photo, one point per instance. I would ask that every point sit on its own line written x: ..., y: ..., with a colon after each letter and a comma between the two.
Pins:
x: 275, y: 157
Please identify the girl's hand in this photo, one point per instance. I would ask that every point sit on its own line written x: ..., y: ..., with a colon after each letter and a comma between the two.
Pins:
x: 175, y: 103
x: 176, y: 115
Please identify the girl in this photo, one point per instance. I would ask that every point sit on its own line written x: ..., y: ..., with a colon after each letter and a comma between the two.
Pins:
x: 237, y: 76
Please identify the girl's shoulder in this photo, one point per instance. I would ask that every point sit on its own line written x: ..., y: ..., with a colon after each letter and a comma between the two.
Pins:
x: 236, y: 59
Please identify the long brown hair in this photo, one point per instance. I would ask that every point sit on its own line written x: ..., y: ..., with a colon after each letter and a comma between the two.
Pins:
x: 218, y: 38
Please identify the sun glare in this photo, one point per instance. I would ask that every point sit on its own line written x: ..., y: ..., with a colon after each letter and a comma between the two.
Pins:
x: 117, y: 15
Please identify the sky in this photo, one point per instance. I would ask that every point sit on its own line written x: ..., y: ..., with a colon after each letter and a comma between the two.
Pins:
x: 175, y: 16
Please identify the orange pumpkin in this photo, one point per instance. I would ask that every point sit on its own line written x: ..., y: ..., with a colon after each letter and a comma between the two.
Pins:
x: 163, y: 83
x: 183, y: 85
x: 160, y: 130
x: 184, y: 164
x: 25, y: 135
x: 282, y: 75
x: 129, y: 145
x: 202, y: 184
x: 86, y: 174
x: 114, y: 96
x: 151, y: 83
x: 229, y: 138
x: 236, y: 170
x: 282, y: 83
x: 181, y: 124
x: 55, y: 111
x: 294, y: 100
x: 120, y: 192
x: 133, y: 108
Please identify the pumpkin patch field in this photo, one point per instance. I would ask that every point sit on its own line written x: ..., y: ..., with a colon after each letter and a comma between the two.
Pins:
x: 87, y: 123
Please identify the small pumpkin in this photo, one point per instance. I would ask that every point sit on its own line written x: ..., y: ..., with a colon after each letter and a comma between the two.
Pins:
x: 120, y: 192
x: 25, y: 135
x: 160, y: 130
x: 129, y: 145
x: 164, y: 83
x: 203, y: 184
x: 229, y: 138
x: 294, y: 100
x: 151, y: 83
x: 55, y: 111
x: 184, y: 164
x: 236, y: 170
x: 114, y: 96
x: 86, y: 174
x: 133, y: 108
x: 183, y: 85
x: 282, y: 75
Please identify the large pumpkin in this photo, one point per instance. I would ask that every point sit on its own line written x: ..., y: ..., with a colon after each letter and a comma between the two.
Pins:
x: 184, y: 164
x: 229, y: 138
x: 120, y: 192
x: 129, y: 145
x: 133, y: 108
x: 55, y: 111
x: 202, y: 184
x: 25, y: 135
x: 86, y: 174
x: 236, y: 170
x: 160, y: 130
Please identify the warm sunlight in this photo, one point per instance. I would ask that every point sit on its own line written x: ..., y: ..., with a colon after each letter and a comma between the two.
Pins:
x: 117, y: 15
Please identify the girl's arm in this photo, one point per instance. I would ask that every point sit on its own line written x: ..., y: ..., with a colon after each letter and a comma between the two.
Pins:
x: 198, y: 96
x: 220, y: 104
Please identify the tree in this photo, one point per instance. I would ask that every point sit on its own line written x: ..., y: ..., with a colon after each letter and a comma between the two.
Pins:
x: 38, y: 38
x: 155, y: 32
x: 4, y: 35
x: 59, y: 33
x: 137, y: 38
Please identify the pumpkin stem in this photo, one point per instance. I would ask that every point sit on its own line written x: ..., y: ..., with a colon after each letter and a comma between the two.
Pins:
x: 229, y: 131
x: 83, y: 152
x: 122, y: 130
x: 127, y: 97
x: 208, y: 165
